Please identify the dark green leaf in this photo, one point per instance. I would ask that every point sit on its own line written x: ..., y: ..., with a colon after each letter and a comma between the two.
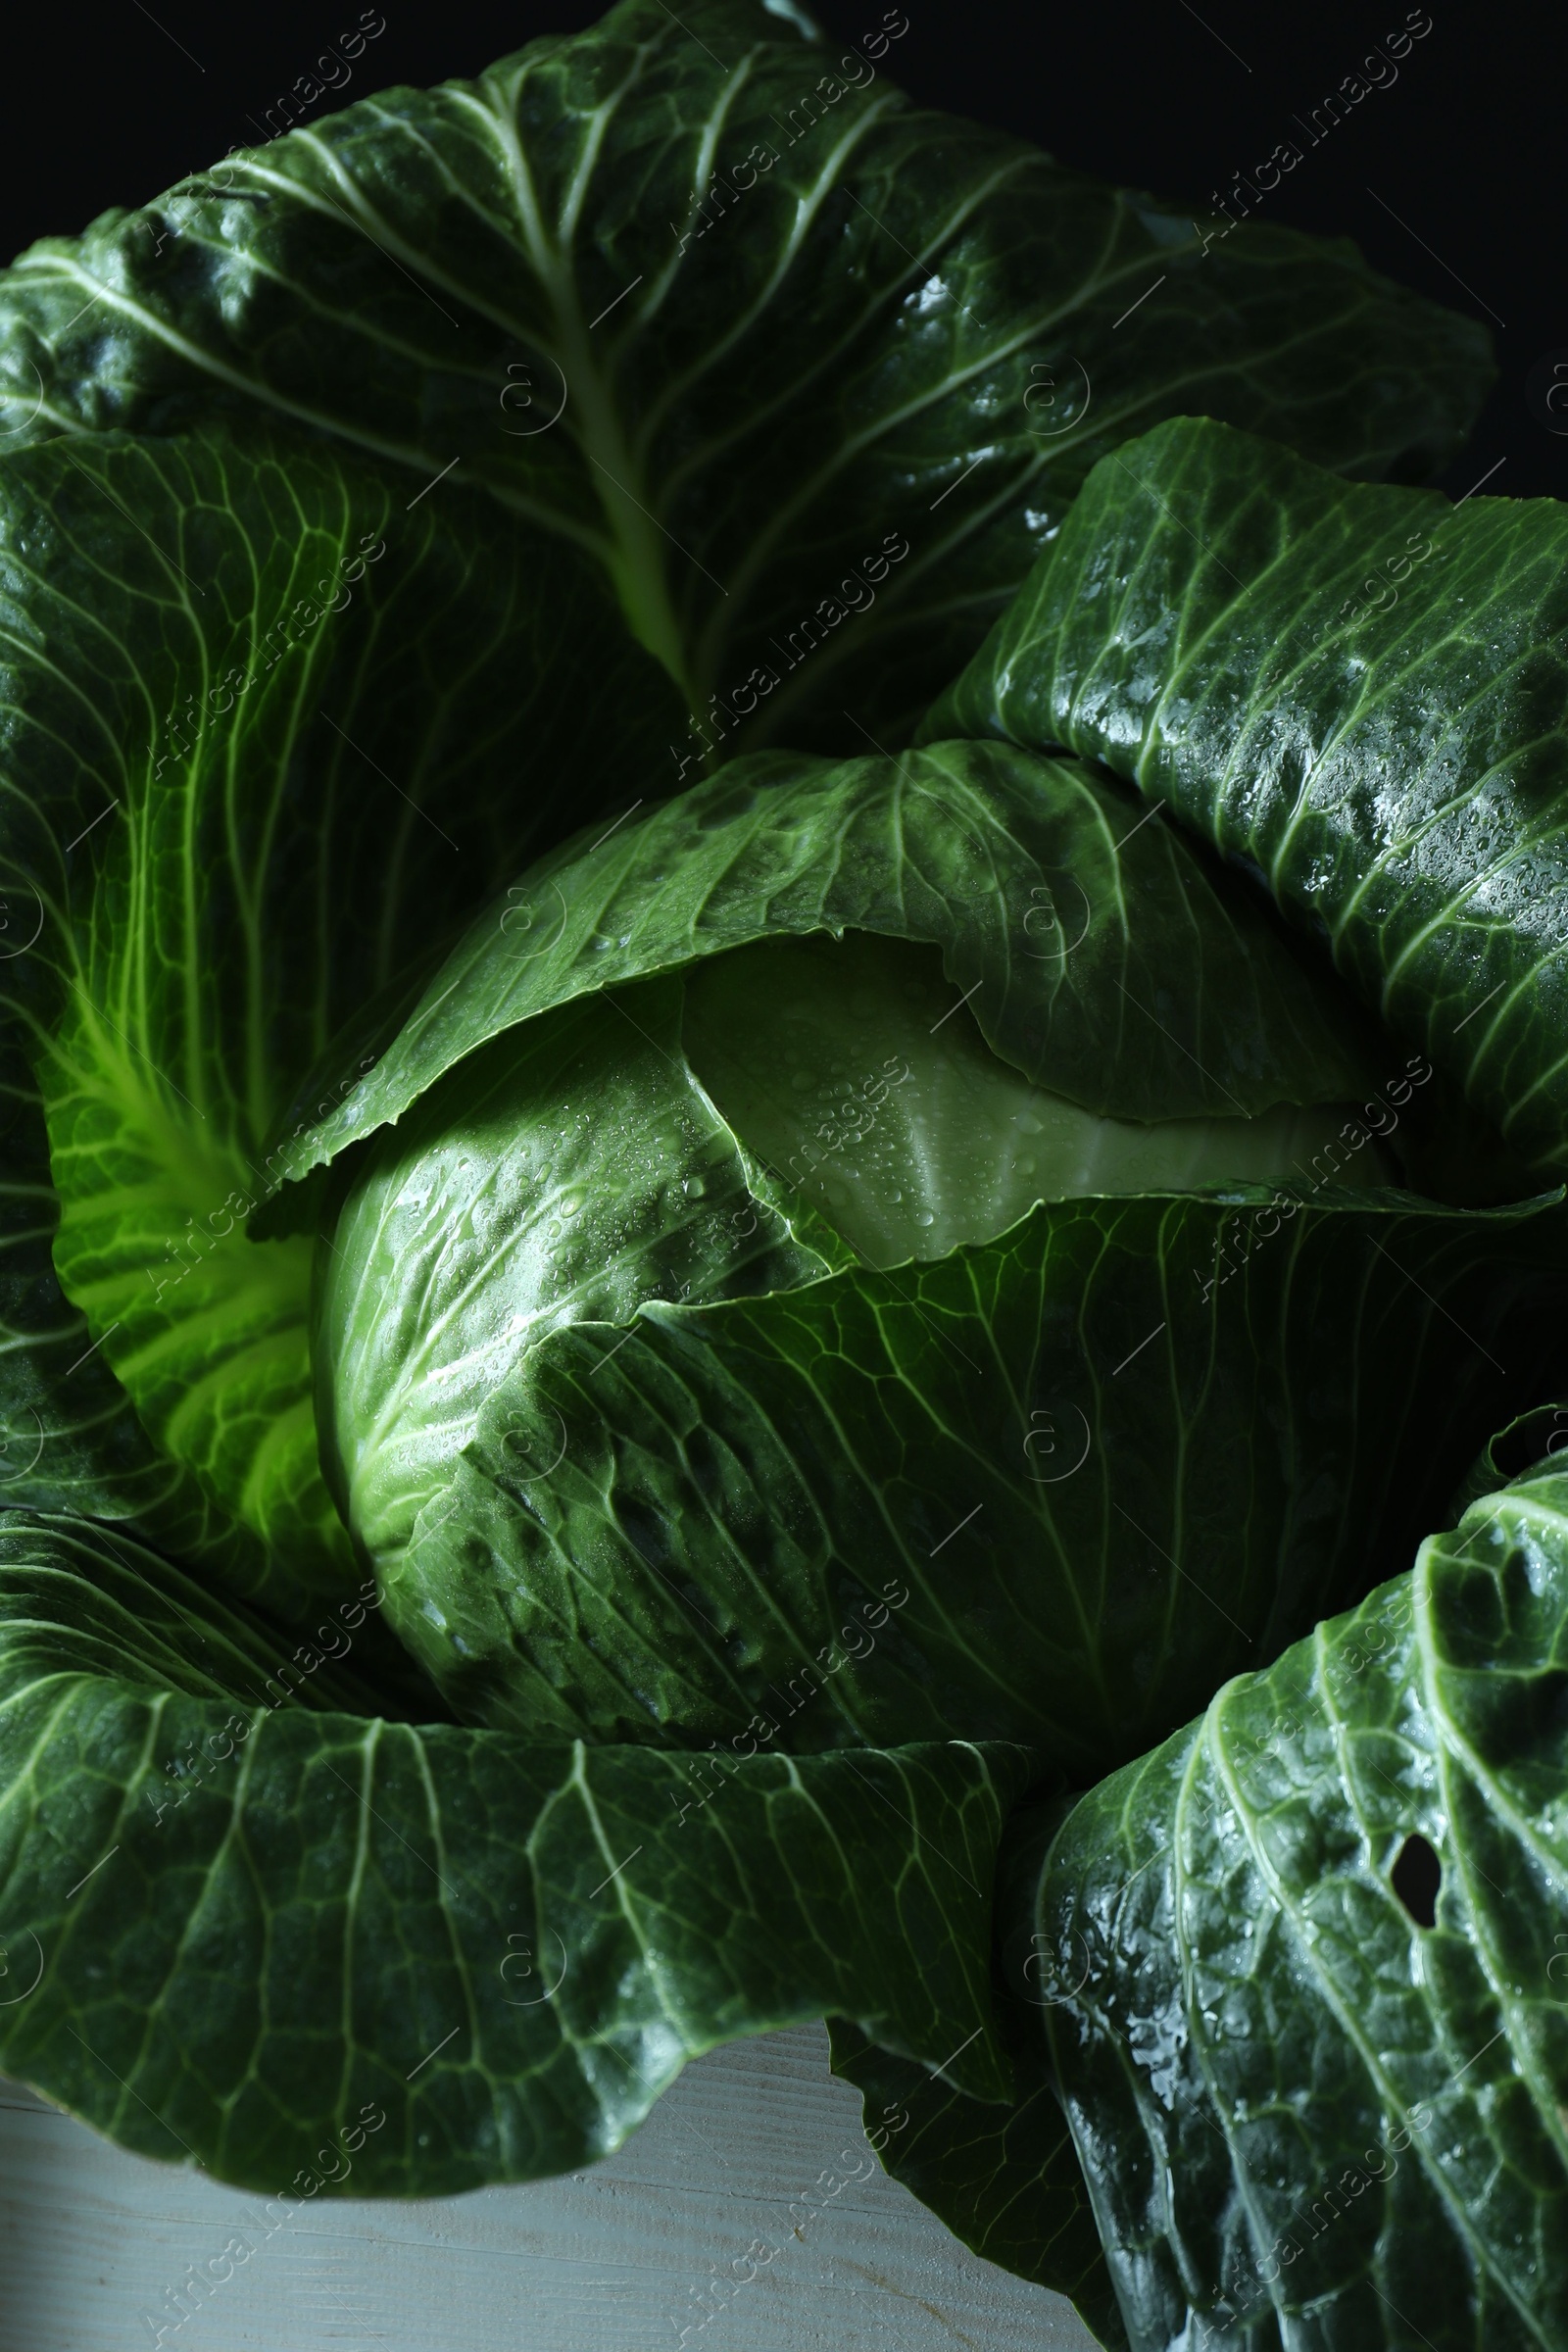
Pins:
x: 237, y: 1910
x: 811, y: 374
x: 1309, y: 1971
x: 1359, y: 694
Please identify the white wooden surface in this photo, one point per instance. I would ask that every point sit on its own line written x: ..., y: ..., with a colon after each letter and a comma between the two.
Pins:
x: 612, y: 2260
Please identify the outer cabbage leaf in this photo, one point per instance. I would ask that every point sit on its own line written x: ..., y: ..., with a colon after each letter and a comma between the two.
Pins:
x: 1362, y: 694
x: 253, y: 1914
x: 264, y: 749
x: 1316, y: 2105
x: 1098, y: 954
x: 809, y: 372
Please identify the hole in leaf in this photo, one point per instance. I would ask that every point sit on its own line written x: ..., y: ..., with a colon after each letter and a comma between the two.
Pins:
x: 1530, y: 1439
x: 1417, y: 1874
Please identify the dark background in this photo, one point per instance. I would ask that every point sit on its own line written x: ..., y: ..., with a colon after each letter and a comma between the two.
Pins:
x: 112, y: 101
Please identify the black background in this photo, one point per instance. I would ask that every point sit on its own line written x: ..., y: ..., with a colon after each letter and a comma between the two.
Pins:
x: 110, y: 104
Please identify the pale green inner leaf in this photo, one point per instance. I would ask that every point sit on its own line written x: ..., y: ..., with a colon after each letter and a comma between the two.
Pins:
x: 855, y: 1070
x: 571, y: 1169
